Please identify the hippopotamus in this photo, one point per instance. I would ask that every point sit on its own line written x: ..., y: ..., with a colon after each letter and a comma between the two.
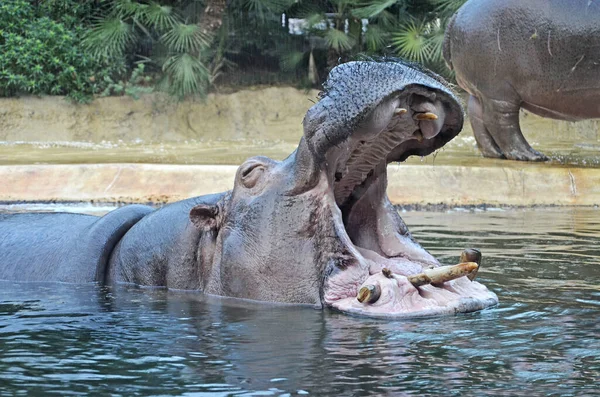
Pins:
x: 316, y: 228
x: 540, y: 55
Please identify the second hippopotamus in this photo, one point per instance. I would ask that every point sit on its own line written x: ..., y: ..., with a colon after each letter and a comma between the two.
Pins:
x: 539, y: 55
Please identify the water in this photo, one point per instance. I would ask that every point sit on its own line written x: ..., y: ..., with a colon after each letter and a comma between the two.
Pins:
x: 564, y: 142
x: 543, y: 338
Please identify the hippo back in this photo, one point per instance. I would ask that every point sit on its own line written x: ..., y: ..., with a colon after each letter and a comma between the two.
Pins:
x: 62, y: 247
x: 536, y: 47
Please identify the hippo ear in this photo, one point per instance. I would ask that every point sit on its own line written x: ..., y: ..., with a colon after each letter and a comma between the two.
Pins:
x: 204, y: 216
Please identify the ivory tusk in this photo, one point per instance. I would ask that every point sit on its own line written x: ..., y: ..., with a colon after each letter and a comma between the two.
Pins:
x: 400, y: 111
x: 442, y: 274
x: 369, y: 293
x: 471, y: 255
x: 426, y: 116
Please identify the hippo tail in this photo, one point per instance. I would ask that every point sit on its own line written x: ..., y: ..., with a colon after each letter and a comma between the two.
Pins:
x: 446, y: 53
x: 106, y: 232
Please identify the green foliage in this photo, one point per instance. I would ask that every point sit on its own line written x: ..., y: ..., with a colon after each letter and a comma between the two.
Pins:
x: 89, y: 47
x: 158, y: 33
x: 41, y: 56
x: 73, y: 14
x: 137, y: 85
x: 412, y: 29
x: 412, y: 41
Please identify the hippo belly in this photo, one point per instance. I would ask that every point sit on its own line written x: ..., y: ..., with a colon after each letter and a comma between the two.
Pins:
x: 541, y: 55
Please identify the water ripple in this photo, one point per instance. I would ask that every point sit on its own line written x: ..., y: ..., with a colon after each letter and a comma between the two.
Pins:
x: 543, y: 338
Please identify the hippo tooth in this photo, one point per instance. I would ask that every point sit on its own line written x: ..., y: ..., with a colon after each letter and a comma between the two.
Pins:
x: 442, y: 274
x: 471, y: 255
x: 400, y: 111
x: 419, y: 135
x: 369, y: 293
x: 426, y: 116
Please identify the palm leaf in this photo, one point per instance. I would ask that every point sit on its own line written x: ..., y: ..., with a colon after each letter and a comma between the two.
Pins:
x: 262, y: 7
x: 371, y: 9
x: 109, y: 37
x: 127, y: 8
x: 448, y: 7
x: 410, y: 41
x: 185, y: 38
x: 314, y: 19
x: 291, y: 60
x: 160, y: 17
x: 339, y: 40
x: 386, y: 19
x: 375, y: 38
x: 187, y: 74
x: 435, y: 40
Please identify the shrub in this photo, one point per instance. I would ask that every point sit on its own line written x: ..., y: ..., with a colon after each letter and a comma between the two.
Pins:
x: 41, y: 56
x: 166, y: 38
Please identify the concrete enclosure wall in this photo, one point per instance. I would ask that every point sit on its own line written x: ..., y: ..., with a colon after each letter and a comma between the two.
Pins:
x: 272, y: 113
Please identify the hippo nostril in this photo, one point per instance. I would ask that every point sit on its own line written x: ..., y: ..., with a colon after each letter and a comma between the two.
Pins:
x: 338, y: 176
x: 369, y: 293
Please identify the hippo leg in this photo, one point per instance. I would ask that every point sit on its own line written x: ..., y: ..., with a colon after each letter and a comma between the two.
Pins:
x: 501, y: 119
x: 485, y: 142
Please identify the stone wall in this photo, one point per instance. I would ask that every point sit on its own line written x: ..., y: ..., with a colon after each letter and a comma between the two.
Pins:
x: 273, y: 113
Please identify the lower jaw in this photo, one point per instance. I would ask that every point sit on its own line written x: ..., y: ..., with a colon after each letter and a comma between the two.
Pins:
x: 457, y: 296
x: 399, y: 298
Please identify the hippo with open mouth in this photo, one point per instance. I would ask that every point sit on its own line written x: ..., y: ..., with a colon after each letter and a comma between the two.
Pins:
x: 316, y: 228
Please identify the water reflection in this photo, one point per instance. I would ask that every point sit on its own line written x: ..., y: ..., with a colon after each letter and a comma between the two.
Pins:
x: 564, y: 142
x: 543, y: 338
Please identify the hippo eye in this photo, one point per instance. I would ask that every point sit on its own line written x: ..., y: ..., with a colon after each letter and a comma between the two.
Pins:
x: 251, y: 174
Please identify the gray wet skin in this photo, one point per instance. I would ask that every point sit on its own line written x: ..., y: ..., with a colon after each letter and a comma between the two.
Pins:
x: 540, y: 55
x: 311, y: 229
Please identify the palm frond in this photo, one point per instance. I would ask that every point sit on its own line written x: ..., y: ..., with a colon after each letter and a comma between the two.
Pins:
x: 262, y: 7
x: 375, y: 38
x: 187, y: 75
x: 160, y: 17
x: 339, y: 40
x: 127, y: 8
x: 371, y: 9
x: 410, y: 41
x: 303, y: 9
x: 109, y: 37
x: 448, y: 7
x: 386, y: 19
x: 185, y: 38
x: 435, y: 38
x: 315, y: 19
x: 292, y: 60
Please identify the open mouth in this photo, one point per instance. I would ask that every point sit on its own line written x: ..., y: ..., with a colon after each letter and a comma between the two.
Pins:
x: 378, y: 269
